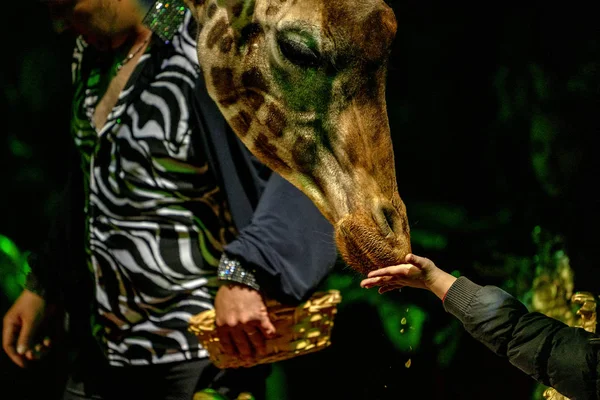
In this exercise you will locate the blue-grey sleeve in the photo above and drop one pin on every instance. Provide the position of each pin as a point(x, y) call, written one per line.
point(544, 348)
point(289, 244)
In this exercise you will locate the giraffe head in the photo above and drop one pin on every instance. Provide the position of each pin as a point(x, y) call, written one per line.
point(302, 83)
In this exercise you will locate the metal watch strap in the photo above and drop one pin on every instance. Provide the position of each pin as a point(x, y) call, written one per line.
point(232, 270)
point(164, 17)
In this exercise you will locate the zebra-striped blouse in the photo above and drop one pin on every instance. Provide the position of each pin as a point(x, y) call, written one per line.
point(157, 220)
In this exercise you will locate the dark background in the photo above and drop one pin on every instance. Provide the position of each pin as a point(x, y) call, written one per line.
point(493, 110)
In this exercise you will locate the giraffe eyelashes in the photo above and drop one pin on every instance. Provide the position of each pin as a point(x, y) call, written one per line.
point(295, 49)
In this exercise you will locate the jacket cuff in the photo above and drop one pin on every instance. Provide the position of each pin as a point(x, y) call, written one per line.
point(36, 280)
point(230, 269)
point(32, 283)
point(459, 296)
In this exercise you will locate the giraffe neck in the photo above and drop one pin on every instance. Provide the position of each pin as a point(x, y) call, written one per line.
point(273, 125)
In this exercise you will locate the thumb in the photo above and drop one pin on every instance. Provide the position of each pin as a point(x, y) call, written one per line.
point(267, 327)
point(419, 262)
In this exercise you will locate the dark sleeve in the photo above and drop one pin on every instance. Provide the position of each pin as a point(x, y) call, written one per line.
point(544, 348)
point(289, 244)
point(50, 264)
point(43, 277)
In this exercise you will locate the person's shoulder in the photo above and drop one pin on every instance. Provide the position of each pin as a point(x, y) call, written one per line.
point(185, 40)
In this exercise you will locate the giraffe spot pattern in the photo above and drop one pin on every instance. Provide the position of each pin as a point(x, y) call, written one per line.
point(237, 9)
point(199, 2)
point(272, 10)
point(217, 32)
point(212, 9)
point(222, 79)
point(304, 153)
point(262, 141)
point(253, 78)
point(250, 33)
point(276, 121)
point(254, 99)
point(274, 162)
point(241, 123)
point(226, 44)
point(266, 150)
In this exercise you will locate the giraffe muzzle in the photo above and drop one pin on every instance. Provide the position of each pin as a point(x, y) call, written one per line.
point(371, 240)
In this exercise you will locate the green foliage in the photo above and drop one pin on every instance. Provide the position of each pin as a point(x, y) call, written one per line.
point(13, 268)
point(403, 324)
point(447, 340)
point(19, 148)
point(428, 240)
point(403, 321)
point(276, 383)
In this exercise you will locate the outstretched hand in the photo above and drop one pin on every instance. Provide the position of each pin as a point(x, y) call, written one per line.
point(417, 272)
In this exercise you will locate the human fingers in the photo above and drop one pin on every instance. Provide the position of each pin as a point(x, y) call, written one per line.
point(10, 332)
point(25, 340)
point(370, 282)
point(225, 340)
point(240, 340)
point(266, 326)
point(419, 262)
point(256, 339)
point(394, 270)
point(39, 351)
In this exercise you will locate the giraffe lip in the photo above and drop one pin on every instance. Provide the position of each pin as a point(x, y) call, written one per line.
point(358, 257)
point(361, 240)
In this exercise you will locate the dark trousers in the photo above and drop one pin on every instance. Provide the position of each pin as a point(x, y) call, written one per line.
point(93, 378)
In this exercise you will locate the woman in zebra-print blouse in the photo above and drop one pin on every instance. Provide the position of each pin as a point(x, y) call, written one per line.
point(173, 207)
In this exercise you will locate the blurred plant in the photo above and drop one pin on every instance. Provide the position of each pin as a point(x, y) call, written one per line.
point(447, 339)
point(402, 321)
point(552, 292)
point(13, 268)
point(210, 394)
point(553, 283)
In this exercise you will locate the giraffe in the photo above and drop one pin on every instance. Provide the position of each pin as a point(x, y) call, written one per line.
point(302, 83)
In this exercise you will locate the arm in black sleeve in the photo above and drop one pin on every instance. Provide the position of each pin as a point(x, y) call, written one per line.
point(43, 277)
point(47, 273)
point(289, 244)
point(546, 349)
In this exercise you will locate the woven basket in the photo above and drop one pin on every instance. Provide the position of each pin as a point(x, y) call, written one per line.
point(303, 329)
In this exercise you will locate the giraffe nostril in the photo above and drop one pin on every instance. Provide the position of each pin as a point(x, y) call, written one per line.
point(387, 219)
point(388, 214)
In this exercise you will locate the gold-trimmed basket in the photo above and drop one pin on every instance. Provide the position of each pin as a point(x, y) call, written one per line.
point(303, 329)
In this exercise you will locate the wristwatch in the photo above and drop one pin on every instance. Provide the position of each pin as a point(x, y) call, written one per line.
point(163, 17)
point(230, 269)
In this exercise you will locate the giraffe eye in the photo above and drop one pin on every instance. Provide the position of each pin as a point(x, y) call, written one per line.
point(298, 52)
